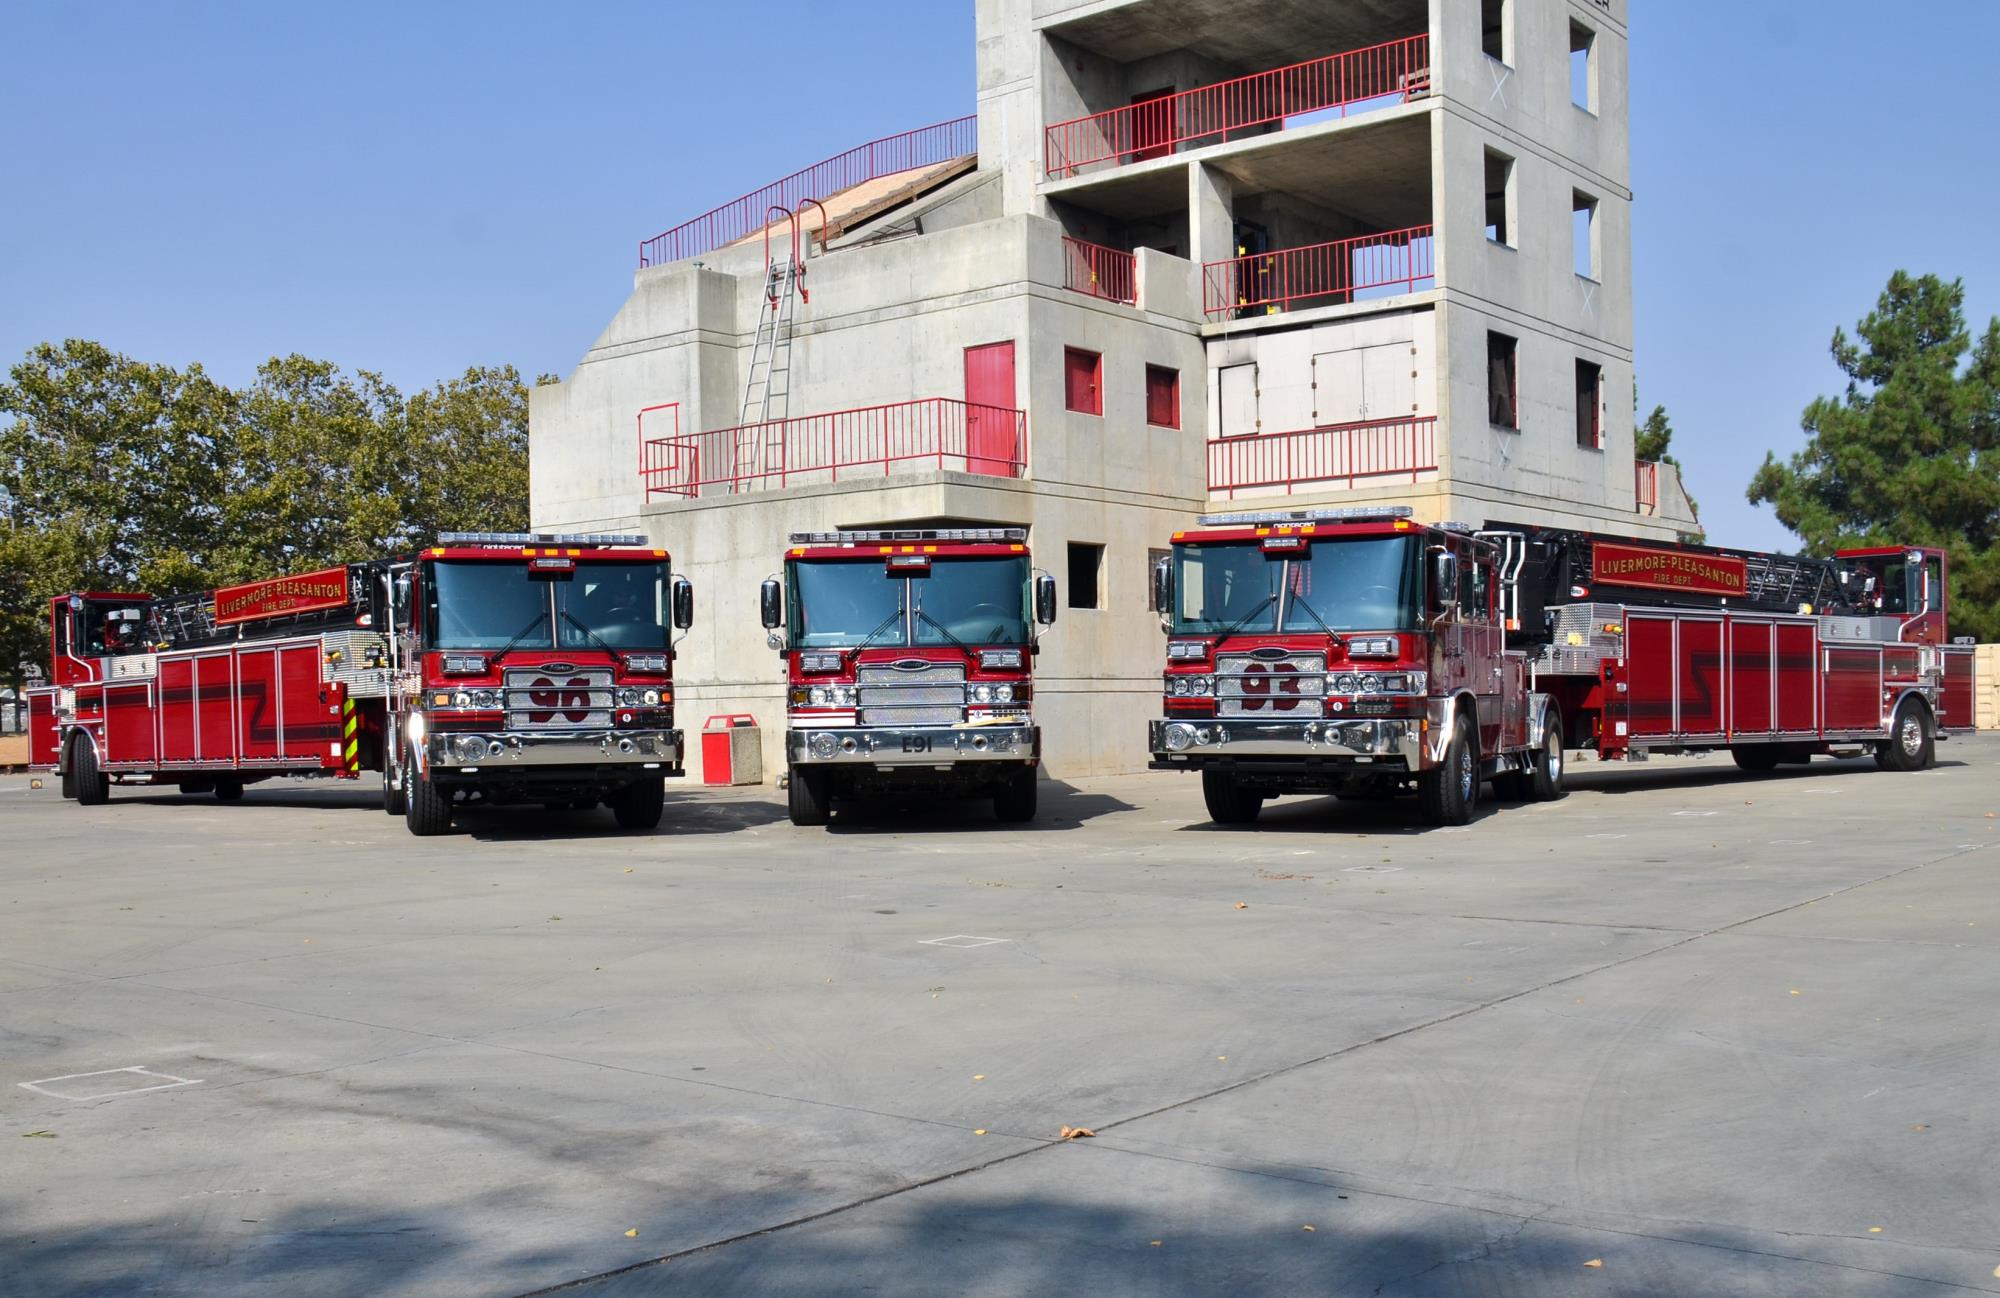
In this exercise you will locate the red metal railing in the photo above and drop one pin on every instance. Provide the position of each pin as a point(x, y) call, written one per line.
point(1153, 128)
point(1328, 273)
point(925, 147)
point(1646, 485)
point(1101, 272)
point(935, 433)
point(1344, 454)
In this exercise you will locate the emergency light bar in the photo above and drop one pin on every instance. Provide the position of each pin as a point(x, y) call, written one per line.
point(541, 538)
point(885, 536)
point(1343, 514)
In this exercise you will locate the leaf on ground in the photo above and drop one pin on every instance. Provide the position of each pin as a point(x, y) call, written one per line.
point(1243, 905)
point(1310, 1230)
point(38, 1135)
point(979, 1131)
point(632, 1233)
point(979, 1077)
point(1874, 1230)
point(1595, 1264)
point(1921, 1126)
point(1077, 1133)
point(1156, 1243)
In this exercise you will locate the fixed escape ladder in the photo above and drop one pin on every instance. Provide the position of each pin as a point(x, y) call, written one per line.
point(767, 385)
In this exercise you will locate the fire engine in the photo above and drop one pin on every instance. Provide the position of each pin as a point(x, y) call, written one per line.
point(497, 667)
point(1357, 652)
point(909, 659)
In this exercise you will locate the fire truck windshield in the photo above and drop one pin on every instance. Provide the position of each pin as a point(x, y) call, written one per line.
point(482, 604)
point(1357, 584)
point(848, 603)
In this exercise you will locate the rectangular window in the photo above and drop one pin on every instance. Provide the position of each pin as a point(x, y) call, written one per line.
point(1496, 30)
point(1583, 234)
point(1154, 558)
point(1503, 388)
point(1086, 571)
point(1083, 387)
point(1583, 67)
point(1163, 397)
point(1236, 395)
point(1589, 406)
point(1500, 205)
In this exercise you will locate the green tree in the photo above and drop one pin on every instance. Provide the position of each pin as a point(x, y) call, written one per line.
point(1909, 452)
point(1652, 440)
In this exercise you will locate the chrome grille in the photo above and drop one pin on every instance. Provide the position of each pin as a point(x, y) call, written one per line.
point(931, 695)
point(1275, 688)
point(537, 699)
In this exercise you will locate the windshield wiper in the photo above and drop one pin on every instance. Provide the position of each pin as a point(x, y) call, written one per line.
point(595, 638)
point(1246, 619)
point(1299, 601)
point(514, 641)
point(854, 651)
point(956, 642)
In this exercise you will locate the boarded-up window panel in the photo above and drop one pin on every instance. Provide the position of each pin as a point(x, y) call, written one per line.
point(1236, 400)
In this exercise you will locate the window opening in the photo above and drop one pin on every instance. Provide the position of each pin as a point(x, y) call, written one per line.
point(1496, 30)
point(1083, 387)
point(1589, 406)
point(1503, 390)
point(1086, 568)
point(1583, 67)
point(1583, 234)
point(1500, 205)
point(1163, 397)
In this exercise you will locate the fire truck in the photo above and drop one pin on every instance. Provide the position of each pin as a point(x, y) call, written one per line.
point(909, 661)
point(492, 667)
point(1359, 653)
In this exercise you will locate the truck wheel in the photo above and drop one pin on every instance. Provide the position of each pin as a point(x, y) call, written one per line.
point(69, 778)
point(228, 788)
point(426, 807)
point(640, 804)
point(808, 796)
point(1545, 779)
point(93, 786)
point(1758, 759)
point(1910, 745)
point(1448, 793)
point(394, 800)
point(1014, 804)
point(1229, 803)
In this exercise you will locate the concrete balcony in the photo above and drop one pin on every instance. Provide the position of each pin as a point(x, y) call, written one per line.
point(846, 446)
point(1326, 274)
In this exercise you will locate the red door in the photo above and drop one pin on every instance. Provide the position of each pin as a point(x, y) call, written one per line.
point(1152, 124)
point(992, 429)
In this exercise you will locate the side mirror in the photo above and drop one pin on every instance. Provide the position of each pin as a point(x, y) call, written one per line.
point(683, 603)
point(1045, 599)
point(771, 603)
point(1444, 575)
point(1163, 589)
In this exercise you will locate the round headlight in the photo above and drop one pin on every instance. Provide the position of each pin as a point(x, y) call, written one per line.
point(486, 698)
point(1371, 684)
point(471, 748)
point(982, 694)
point(820, 696)
point(1345, 683)
point(461, 699)
point(1179, 737)
point(1003, 693)
point(650, 698)
point(1202, 685)
point(1177, 686)
point(823, 745)
point(628, 696)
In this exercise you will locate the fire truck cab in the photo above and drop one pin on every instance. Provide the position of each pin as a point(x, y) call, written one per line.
point(909, 661)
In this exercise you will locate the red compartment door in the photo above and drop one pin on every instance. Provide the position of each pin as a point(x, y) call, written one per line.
point(1650, 674)
point(257, 704)
point(41, 729)
point(1700, 677)
point(128, 724)
point(311, 729)
point(1752, 702)
point(215, 710)
point(177, 719)
point(1798, 678)
point(1853, 689)
point(1956, 707)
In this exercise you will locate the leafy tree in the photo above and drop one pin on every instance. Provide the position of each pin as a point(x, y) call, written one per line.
point(1909, 453)
point(1651, 441)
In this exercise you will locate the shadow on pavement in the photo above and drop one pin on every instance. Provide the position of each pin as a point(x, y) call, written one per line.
point(1061, 807)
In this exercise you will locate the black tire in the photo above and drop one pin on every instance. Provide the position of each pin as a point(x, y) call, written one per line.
point(93, 786)
point(1229, 803)
point(1548, 779)
point(426, 807)
point(1758, 759)
point(808, 797)
point(394, 800)
point(1448, 793)
point(640, 804)
point(68, 780)
point(228, 788)
point(1910, 746)
point(1015, 803)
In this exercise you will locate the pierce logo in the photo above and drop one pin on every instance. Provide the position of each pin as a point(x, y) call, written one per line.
point(571, 699)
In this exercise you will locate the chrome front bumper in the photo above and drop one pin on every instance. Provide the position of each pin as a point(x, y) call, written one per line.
point(1189, 743)
point(894, 746)
point(568, 748)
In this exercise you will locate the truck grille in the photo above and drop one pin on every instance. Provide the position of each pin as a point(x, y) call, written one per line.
point(544, 700)
point(933, 695)
point(1288, 688)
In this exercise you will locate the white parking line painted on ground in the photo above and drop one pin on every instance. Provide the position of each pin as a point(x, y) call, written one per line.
point(963, 941)
point(161, 1082)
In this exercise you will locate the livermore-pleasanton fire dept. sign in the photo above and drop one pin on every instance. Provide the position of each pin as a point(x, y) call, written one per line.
point(1704, 574)
point(281, 595)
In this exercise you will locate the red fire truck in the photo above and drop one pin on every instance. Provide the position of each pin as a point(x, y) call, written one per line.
point(498, 667)
point(909, 656)
point(1359, 653)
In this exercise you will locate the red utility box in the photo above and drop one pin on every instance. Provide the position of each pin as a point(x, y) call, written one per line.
point(732, 750)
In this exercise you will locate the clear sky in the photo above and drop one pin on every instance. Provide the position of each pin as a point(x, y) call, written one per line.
point(419, 188)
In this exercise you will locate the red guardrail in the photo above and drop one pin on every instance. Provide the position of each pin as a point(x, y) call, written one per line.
point(925, 147)
point(1153, 128)
point(1646, 486)
point(938, 432)
point(1101, 272)
point(1342, 454)
point(1333, 271)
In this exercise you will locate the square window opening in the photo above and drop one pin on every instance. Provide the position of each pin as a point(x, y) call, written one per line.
point(1163, 397)
point(1583, 234)
point(1083, 381)
point(1500, 205)
point(1503, 391)
point(1086, 572)
point(1589, 406)
point(1583, 67)
point(1496, 30)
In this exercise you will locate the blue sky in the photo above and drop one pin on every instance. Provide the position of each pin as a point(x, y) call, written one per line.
point(419, 188)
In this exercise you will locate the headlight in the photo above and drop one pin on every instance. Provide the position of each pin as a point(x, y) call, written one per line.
point(1374, 646)
point(1346, 683)
point(651, 663)
point(982, 694)
point(1003, 693)
point(1370, 683)
point(823, 745)
point(650, 698)
point(471, 748)
point(461, 699)
point(1179, 737)
point(1185, 651)
point(820, 696)
point(819, 662)
point(1201, 686)
point(486, 700)
point(628, 697)
point(1000, 660)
